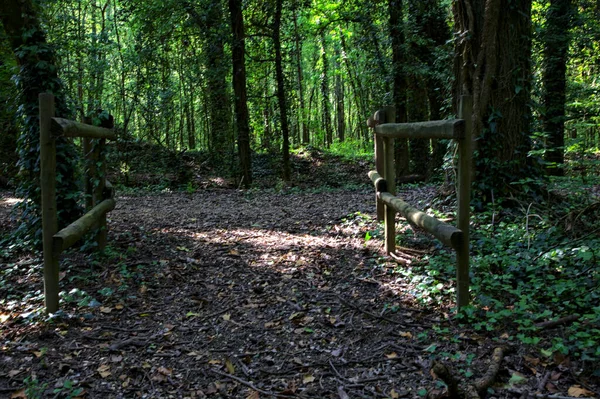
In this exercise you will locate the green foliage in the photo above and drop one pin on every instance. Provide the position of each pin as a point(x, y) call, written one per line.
point(68, 390)
point(351, 149)
point(38, 73)
point(34, 389)
point(524, 270)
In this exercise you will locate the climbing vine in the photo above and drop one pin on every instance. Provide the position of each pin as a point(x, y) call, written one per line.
point(38, 73)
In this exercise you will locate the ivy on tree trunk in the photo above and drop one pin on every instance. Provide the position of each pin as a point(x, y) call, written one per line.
point(38, 74)
point(556, 51)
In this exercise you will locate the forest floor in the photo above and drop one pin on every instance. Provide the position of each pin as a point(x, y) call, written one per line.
point(226, 293)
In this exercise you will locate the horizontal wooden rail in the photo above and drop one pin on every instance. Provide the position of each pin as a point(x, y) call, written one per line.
point(449, 235)
point(73, 232)
point(378, 181)
point(68, 128)
point(444, 129)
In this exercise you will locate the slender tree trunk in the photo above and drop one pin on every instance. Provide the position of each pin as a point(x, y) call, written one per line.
point(339, 98)
point(431, 27)
point(211, 23)
point(399, 77)
point(281, 98)
point(357, 91)
point(302, 111)
point(325, 93)
point(239, 89)
point(556, 48)
point(417, 111)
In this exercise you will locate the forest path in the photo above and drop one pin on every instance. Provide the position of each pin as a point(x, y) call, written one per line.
point(233, 294)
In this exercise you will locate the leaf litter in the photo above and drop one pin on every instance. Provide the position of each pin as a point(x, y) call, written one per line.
point(226, 293)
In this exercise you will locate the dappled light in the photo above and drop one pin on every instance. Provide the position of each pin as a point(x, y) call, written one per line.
point(317, 199)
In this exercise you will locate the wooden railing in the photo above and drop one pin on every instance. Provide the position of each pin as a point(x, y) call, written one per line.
point(384, 180)
point(100, 196)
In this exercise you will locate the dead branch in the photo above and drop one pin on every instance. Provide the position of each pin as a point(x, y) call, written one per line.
point(469, 391)
point(558, 322)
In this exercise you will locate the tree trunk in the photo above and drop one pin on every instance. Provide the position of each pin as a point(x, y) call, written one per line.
point(219, 105)
point(8, 119)
point(38, 73)
point(556, 47)
point(432, 29)
point(417, 112)
point(239, 89)
point(302, 111)
point(325, 93)
point(357, 92)
point(281, 98)
point(493, 63)
point(399, 78)
point(339, 98)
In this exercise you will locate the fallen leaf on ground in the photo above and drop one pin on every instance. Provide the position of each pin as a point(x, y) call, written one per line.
point(577, 391)
point(253, 395)
point(104, 370)
point(517, 379)
point(532, 360)
point(392, 355)
point(13, 373)
point(230, 366)
point(308, 379)
point(19, 394)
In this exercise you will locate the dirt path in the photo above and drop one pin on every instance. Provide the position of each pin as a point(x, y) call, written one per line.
point(226, 294)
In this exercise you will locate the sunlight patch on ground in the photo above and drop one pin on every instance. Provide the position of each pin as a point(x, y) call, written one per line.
point(9, 201)
point(276, 240)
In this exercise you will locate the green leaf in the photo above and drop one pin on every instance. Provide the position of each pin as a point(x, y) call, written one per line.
point(517, 379)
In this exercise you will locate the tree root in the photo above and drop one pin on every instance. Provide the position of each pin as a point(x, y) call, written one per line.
point(475, 390)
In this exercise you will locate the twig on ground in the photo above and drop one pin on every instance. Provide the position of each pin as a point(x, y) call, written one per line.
point(470, 391)
point(537, 395)
point(558, 322)
point(373, 315)
point(249, 384)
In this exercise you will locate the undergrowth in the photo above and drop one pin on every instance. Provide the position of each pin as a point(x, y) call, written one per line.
point(528, 266)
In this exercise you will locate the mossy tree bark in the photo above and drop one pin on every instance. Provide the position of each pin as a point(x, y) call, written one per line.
point(395, 8)
point(493, 64)
point(37, 74)
point(212, 23)
point(556, 50)
point(239, 88)
point(281, 97)
point(326, 106)
point(429, 23)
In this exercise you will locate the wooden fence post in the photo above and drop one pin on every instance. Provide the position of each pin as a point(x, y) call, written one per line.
point(49, 212)
point(379, 162)
point(389, 116)
point(464, 200)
